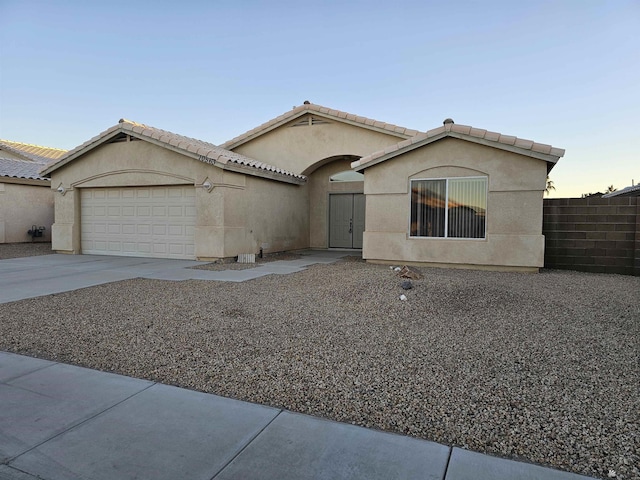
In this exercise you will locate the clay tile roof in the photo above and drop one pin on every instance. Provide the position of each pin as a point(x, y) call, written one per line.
point(10, 167)
point(204, 151)
point(518, 145)
point(389, 128)
point(35, 153)
point(630, 191)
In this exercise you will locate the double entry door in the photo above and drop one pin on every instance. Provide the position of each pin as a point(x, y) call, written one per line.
point(346, 220)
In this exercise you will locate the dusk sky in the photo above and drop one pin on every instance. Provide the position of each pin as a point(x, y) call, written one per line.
point(565, 73)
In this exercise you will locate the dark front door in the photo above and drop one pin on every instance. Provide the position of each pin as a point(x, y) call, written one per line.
point(346, 220)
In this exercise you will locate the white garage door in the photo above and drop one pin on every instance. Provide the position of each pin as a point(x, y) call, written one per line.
point(138, 221)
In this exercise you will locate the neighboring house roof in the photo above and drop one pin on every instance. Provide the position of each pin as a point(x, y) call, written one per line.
point(630, 191)
point(10, 167)
point(34, 153)
point(190, 147)
point(324, 112)
point(484, 137)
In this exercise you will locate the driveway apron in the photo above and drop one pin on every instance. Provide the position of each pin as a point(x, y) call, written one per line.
point(29, 277)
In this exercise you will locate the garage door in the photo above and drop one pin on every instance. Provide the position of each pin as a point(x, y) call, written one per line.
point(138, 222)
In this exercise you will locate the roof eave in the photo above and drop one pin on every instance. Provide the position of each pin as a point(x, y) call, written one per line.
point(361, 125)
point(231, 144)
point(550, 159)
point(57, 164)
point(37, 182)
point(256, 172)
point(110, 135)
point(216, 162)
point(359, 167)
point(509, 148)
point(202, 158)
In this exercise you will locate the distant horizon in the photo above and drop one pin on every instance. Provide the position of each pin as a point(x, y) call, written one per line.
point(559, 73)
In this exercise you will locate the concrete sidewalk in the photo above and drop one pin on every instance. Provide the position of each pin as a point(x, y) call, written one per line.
point(29, 277)
point(64, 422)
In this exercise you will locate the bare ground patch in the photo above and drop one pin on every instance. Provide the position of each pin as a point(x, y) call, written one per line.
point(233, 265)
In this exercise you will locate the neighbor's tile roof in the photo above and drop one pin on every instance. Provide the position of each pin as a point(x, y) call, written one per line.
point(32, 152)
point(10, 167)
point(201, 150)
point(388, 128)
point(630, 191)
point(485, 137)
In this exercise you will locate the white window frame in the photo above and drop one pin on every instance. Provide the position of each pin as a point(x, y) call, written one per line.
point(446, 216)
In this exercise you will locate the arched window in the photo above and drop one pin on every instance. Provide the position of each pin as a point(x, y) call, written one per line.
point(347, 176)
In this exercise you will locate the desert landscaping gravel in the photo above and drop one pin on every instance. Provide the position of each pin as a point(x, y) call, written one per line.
point(17, 250)
point(536, 367)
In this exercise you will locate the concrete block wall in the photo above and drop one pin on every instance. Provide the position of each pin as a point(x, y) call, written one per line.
point(600, 235)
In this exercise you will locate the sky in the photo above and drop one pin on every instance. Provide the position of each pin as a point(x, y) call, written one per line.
point(562, 72)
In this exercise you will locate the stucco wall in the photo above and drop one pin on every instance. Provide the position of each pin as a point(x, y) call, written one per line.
point(136, 163)
point(268, 215)
point(235, 216)
point(301, 147)
point(22, 206)
point(514, 207)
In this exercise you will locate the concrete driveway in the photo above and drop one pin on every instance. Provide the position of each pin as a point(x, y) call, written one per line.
point(30, 277)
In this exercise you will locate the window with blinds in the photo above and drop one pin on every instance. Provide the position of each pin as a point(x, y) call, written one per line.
point(449, 207)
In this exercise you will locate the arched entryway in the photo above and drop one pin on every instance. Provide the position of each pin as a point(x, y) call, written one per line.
point(336, 204)
point(346, 211)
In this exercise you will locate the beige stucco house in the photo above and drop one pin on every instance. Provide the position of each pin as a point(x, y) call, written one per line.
point(26, 199)
point(457, 196)
point(311, 178)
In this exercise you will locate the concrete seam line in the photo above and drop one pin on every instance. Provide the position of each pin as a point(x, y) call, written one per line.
point(245, 447)
point(11, 379)
point(82, 422)
point(446, 467)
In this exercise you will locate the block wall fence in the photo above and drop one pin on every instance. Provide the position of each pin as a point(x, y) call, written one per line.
point(600, 235)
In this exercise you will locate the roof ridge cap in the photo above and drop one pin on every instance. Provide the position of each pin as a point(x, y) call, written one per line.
point(135, 124)
point(341, 115)
point(450, 129)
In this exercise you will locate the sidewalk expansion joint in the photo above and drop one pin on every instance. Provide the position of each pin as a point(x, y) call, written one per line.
point(245, 446)
point(11, 379)
point(80, 423)
point(446, 467)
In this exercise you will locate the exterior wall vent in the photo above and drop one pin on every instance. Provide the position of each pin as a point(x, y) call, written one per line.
point(247, 258)
point(310, 120)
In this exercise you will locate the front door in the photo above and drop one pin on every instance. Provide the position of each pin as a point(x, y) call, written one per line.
point(346, 220)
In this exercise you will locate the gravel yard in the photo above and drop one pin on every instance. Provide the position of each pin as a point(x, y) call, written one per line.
point(542, 367)
point(17, 250)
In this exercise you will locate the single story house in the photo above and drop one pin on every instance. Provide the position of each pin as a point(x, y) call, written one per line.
point(26, 199)
point(313, 177)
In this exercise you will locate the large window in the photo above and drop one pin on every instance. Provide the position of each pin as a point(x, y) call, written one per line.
point(449, 207)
